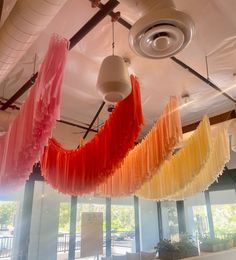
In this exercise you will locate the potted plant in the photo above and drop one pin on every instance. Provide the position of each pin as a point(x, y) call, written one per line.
point(233, 236)
point(227, 243)
point(211, 245)
point(186, 249)
point(167, 251)
point(176, 250)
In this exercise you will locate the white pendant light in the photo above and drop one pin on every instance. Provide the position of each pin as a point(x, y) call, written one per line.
point(113, 80)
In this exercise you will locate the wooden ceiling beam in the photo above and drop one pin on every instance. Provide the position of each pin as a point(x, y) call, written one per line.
point(213, 120)
point(1, 8)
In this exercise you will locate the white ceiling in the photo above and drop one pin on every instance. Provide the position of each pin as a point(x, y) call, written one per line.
point(215, 38)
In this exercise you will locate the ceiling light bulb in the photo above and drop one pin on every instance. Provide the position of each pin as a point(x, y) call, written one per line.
point(186, 98)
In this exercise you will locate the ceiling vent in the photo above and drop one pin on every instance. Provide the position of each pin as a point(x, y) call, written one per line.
point(162, 31)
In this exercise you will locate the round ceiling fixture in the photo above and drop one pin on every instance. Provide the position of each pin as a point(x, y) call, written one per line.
point(113, 80)
point(161, 32)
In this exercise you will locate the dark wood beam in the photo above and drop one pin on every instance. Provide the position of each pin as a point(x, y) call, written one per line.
point(179, 62)
point(77, 125)
point(213, 120)
point(94, 119)
point(1, 8)
point(202, 78)
point(60, 120)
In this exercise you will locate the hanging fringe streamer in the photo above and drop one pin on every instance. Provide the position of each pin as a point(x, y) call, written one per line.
point(24, 142)
point(213, 168)
point(182, 167)
point(79, 171)
point(146, 157)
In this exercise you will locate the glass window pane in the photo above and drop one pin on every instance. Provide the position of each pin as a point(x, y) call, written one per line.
point(122, 226)
point(90, 204)
point(63, 231)
point(196, 216)
point(170, 220)
point(223, 206)
point(10, 211)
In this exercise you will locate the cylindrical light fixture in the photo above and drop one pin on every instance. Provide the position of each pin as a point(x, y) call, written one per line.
point(113, 80)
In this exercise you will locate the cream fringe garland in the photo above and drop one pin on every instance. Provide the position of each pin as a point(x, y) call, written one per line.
point(219, 156)
point(182, 167)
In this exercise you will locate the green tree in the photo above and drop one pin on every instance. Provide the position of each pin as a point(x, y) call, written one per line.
point(122, 218)
point(64, 217)
point(7, 213)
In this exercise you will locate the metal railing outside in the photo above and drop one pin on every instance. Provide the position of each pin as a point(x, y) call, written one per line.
point(63, 242)
point(119, 239)
point(6, 244)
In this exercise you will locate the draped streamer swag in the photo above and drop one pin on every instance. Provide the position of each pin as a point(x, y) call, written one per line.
point(192, 169)
point(181, 167)
point(79, 171)
point(27, 135)
point(214, 166)
point(146, 157)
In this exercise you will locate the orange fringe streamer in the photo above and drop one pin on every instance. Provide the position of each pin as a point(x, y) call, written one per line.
point(143, 161)
point(182, 167)
point(79, 171)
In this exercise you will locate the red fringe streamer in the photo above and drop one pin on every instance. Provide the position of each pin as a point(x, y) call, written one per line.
point(80, 171)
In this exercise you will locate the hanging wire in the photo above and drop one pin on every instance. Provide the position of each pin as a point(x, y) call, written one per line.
point(207, 70)
point(113, 37)
point(35, 62)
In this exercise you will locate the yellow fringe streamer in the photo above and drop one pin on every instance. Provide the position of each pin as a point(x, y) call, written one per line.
point(182, 167)
point(144, 160)
point(219, 156)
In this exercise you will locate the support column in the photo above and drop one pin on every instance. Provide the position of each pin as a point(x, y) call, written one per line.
point(44, 223)
point(159, 219)
point(148, 224)
point(209, 213)
point(73, 217)
point(108, 227)
point(24, 232)
point(136, 218)
point(181, 216)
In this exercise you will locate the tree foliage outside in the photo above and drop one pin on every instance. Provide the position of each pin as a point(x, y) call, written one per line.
point(200, 220)
point(7, 214)
point(224, 219)
point(122, 216)
point(90, 208)
point(173, 221)
point(64, 218)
